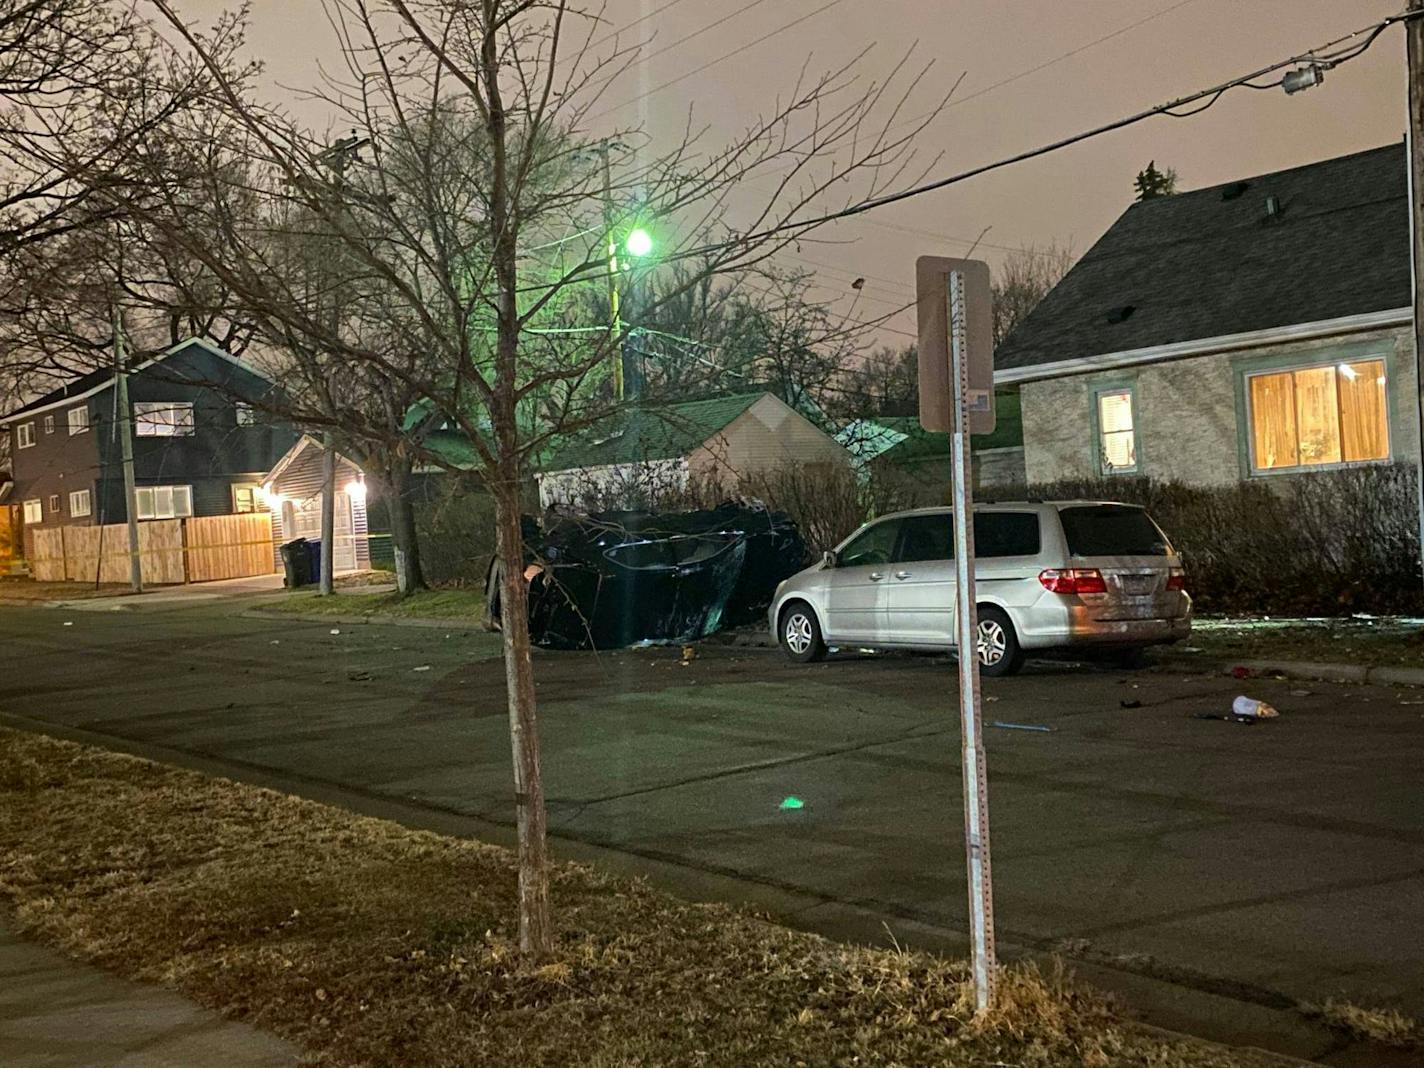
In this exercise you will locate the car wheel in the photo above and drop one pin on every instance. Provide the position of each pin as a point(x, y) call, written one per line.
point(998, 645)
point(800, 634)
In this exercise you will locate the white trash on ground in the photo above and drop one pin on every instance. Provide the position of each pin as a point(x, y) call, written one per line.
point(1251, 708)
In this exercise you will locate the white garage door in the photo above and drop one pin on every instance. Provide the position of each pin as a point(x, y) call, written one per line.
point(302, 519)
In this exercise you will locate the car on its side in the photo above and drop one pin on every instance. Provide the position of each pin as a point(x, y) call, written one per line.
point(1048, 575)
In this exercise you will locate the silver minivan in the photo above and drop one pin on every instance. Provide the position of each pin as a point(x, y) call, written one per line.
point(1048, 574)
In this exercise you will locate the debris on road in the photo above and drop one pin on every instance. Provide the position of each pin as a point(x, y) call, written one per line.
point(1245, 721)
point(1134, 703)
point(69, 622)
point(359, 676)
point(1301, 693)
point(1240, 672)
point(334, 630)
point(792, 803)
point(423, 667)
point(1252, 708)
point(1022, 727)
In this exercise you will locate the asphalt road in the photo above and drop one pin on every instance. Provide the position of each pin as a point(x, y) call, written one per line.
point(1273, 863)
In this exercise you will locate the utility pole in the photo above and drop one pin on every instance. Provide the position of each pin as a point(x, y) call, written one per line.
point(125, 428)
point(338, 157)
point(1414, 143)
point(615, 322)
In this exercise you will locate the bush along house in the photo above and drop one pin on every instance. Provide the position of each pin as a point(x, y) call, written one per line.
point(201, 444)
point(1238, 333)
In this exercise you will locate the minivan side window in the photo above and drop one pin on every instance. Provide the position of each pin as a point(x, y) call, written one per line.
point(1112, 530)
point(926, 537)
point(1005, 534)
point(873, 546)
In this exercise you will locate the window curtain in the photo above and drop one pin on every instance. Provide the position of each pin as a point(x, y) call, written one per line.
point(1364, 426)
point(1273, 437)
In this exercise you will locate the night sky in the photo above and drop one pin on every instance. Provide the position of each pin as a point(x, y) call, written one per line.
point(1071, 196)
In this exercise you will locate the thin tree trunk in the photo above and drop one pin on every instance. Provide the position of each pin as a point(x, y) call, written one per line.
point(536, 935)
point(404, 538)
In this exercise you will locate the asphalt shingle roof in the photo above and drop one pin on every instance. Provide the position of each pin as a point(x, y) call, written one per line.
point(82, 384)
point(666, 432)
point(1209, 263)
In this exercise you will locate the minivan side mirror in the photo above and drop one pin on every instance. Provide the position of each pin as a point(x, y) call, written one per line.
point(828, 558)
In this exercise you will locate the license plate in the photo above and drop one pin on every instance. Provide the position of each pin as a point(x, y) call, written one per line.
point(1138, 585)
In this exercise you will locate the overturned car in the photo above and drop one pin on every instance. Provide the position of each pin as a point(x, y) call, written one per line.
point(612, 579)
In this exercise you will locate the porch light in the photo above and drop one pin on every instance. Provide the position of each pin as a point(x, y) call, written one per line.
point(355, 490)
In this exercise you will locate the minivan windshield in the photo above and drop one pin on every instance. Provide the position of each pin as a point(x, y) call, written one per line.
point(1112, 530)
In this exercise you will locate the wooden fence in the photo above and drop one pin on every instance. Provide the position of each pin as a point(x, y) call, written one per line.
point(171, 551)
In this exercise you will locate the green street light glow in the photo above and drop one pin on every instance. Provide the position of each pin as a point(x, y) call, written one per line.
point(639, 242)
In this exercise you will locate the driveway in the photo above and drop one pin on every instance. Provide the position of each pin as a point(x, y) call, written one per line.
point(1269, 863)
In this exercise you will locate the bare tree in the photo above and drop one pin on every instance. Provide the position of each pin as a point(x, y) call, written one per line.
point(1023, 279)
point(461, 256)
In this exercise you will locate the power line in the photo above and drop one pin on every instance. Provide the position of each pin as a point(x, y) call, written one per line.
point(1317, 55)
point(614, 33)
point(957, 100)
point(720, 59)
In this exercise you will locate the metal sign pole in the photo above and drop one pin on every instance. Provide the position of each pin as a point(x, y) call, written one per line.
point(976, 793)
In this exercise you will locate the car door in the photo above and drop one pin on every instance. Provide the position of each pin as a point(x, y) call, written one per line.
point(855, 605)
point(919, 597)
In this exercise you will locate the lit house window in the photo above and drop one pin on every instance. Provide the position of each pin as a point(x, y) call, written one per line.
point(24, 435)
point(246, 416)
point(162, 419)
point(78, 420)
point(1117, 438)
point(248, 497)
point(49, 424)
point(34, 511)
point(164, 502)
point(79, 504)
point(1317, 416)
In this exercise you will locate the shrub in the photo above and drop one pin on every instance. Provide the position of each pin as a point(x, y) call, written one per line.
point(1326, 543)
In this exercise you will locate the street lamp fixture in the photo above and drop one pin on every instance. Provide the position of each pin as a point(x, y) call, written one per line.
point(639, 242)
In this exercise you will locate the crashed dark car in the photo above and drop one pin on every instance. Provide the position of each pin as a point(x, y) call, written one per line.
point(613, 579)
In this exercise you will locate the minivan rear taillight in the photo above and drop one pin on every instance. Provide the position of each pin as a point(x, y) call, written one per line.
point(1073, 580)
point(1176, 580)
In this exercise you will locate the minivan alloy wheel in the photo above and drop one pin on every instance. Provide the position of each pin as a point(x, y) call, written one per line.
point(799, 636)
point(992, 642)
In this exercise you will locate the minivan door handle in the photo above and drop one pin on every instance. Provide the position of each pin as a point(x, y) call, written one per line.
point(902, 574)
point(876, 576)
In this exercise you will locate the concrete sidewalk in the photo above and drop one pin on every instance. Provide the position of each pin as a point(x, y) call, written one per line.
point(58, 1013)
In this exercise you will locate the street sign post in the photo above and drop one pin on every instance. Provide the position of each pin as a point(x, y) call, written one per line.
point(932, 275)
point(958, 395)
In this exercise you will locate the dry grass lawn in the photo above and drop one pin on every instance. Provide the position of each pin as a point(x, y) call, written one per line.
point(1383, 642)
point(456, 606)
point(371, 944)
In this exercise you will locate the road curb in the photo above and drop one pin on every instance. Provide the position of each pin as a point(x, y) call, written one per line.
point(1305, 670)
point(351, 621)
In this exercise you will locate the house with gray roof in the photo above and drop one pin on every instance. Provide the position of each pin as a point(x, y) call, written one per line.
point(1247, 330)
point(652, 451)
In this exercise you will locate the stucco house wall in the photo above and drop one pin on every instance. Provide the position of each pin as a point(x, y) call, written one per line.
point(1190, 414)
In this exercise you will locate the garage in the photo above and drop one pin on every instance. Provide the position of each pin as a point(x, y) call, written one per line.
point(294, 494)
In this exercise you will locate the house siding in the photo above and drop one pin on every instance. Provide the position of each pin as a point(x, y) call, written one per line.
point(767, 436)
point(58, 463)
point(1188, 413)
point(217, 454)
